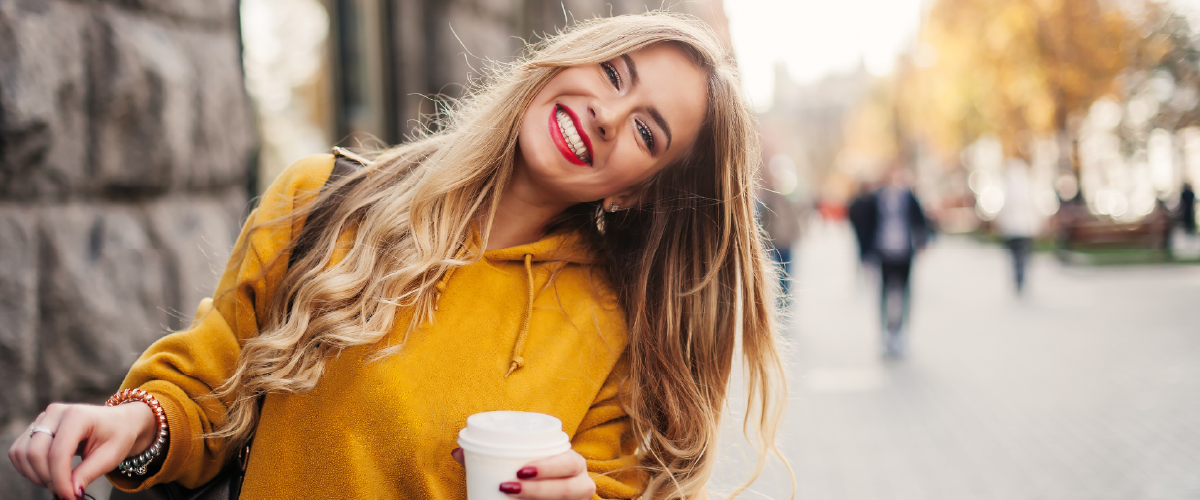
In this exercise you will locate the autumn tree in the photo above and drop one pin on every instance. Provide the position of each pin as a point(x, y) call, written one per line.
point(1166, 48)
point(1011, 67)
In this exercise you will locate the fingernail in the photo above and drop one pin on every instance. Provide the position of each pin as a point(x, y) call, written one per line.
point(527, 473)
point(510, 488)
point(79, 493)
point(454, 451)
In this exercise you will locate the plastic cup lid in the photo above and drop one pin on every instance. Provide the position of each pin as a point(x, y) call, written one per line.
point(514, 433)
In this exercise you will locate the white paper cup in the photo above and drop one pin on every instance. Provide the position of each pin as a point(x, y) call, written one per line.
point(496, 444)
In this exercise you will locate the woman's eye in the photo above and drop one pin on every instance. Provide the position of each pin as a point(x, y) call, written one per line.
point(646, 135)
point(613, 76)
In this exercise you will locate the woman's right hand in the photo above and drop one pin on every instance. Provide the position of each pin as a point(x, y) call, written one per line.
point(102, 435)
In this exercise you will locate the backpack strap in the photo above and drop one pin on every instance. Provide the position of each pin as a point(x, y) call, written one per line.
point(345, 163)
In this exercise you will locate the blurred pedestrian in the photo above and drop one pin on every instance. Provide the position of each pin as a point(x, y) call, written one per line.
point(896, 229)
point(1018, 219)
point(780, 217)
point(1187, 209)
point(862, 214)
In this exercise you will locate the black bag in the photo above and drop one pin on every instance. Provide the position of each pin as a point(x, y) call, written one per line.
point(226, 486)
point(228, 483)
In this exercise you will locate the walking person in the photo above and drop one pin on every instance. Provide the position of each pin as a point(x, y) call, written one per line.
point(780, 217)
point(1187, 209)
point(862, 214)
point(899, 230)
point(1018, 220)
point(577, 239)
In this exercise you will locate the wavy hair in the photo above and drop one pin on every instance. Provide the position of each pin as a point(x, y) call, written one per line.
point(687, 265)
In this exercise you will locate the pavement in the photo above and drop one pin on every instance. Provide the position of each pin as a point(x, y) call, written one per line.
point(1085, 387)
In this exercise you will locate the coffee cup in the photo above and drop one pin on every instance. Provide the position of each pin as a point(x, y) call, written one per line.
point(496, 444)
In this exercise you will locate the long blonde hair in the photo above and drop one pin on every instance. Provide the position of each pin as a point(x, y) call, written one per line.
point(687, 265)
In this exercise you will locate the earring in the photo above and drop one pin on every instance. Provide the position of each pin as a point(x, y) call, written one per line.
point(613, 208)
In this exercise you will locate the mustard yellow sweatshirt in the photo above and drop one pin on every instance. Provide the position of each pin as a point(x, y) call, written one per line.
point(385, 429)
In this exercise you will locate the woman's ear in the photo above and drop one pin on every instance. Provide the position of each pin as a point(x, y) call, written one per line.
point(631, 197)
point(622, 201)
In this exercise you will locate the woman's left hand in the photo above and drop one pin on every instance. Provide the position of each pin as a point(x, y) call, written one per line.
point(561, 477)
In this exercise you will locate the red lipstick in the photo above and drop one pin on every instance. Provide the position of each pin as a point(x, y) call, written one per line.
point(561, 142)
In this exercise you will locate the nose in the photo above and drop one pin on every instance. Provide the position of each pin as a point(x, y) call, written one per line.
point(603, 125)
point(607, 116)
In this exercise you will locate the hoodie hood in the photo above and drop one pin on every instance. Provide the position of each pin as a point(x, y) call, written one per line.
point(560, 247)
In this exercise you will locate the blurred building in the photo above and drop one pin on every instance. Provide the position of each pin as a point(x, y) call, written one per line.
point(807, 125)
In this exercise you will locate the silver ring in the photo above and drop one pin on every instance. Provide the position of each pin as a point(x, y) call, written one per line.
point(36, 430)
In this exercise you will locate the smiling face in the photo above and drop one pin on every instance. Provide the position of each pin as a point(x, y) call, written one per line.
point(596, 132)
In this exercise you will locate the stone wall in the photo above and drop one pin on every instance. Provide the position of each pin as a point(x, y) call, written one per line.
point(125, 142)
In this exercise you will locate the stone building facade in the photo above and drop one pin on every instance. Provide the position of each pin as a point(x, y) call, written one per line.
point(125, 142)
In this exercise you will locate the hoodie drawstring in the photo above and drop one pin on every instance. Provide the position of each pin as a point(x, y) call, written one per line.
point(445, 281)
point(517, 360)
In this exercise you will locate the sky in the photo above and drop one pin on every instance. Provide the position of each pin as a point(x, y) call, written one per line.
point(816, 37)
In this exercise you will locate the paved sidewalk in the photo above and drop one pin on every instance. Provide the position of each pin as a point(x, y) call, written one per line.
point(1087, 388)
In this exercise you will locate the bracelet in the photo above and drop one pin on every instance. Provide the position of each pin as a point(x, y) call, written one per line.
point(138, 465)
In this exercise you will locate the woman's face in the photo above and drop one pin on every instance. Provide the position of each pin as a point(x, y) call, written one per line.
point(595, 132)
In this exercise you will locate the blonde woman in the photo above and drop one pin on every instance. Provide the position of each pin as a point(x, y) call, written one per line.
point(577, 239)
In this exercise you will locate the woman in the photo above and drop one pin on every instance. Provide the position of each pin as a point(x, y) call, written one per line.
point(578, 239)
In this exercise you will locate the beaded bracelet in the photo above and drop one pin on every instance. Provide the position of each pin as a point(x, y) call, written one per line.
point(138, 465)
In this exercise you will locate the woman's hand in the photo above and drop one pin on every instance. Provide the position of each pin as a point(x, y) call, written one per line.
point(561, 477)
point(102, 435)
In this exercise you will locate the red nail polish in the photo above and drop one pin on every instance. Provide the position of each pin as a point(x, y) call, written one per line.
point(510, 488)
point(79, 493)
point(527, 473)
point(453, 451)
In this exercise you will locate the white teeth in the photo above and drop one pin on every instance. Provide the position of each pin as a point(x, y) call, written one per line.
point(567, 127)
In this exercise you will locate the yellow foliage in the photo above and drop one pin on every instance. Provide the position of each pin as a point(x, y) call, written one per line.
point(1010, 66)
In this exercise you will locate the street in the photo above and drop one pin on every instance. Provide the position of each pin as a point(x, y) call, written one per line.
point(1087, 387)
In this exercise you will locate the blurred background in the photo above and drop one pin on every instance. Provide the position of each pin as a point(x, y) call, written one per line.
point(1048, 344)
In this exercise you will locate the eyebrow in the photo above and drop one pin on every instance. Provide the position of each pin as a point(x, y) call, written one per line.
point(654, 114)
point(633, 77)
point(658, 118)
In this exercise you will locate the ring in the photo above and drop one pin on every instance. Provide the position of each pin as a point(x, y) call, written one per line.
point(36, 430)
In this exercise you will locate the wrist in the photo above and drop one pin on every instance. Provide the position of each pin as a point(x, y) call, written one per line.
point(139, 464)
point(141, 418)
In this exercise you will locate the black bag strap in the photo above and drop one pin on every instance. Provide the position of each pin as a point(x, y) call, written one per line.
point(345, 163)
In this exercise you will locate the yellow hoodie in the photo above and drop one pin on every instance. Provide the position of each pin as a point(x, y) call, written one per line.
point(385, 429)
